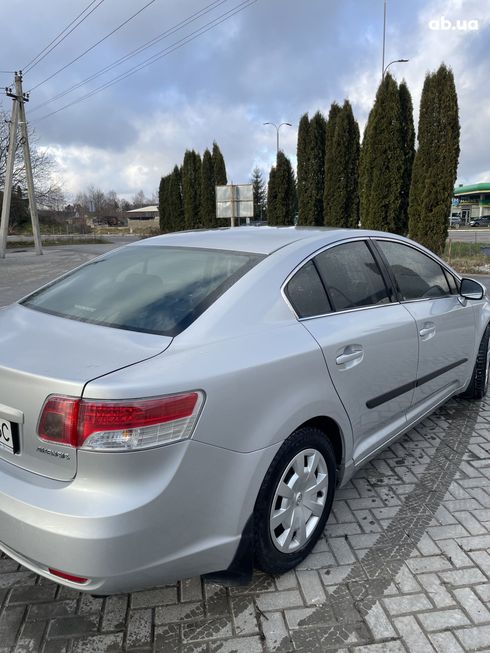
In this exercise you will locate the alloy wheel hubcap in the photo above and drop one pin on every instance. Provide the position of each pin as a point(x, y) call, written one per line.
point(299, 501)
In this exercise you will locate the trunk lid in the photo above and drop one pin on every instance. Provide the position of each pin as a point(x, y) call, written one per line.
point(41, 355)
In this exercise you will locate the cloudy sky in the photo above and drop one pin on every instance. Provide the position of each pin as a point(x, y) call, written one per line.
point(260, 60)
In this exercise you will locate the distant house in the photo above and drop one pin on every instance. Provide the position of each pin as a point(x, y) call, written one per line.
point(146, 217)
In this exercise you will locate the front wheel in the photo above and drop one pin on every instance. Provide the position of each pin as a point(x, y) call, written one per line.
point(294, 500)
point(478, 386)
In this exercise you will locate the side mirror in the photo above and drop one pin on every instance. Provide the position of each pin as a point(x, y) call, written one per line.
point(471, 289)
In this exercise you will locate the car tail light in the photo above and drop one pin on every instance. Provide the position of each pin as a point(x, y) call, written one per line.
point(59, 419)
point(119, 425)
point(65, 576)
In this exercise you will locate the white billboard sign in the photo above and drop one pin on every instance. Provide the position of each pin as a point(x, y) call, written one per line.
point(234, 201)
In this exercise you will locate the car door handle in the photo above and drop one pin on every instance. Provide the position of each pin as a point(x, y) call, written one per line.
point(350, 354)
point(428, 330)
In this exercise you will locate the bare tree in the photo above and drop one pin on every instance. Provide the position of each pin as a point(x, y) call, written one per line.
point(97, 200)
point(112, 203)
point(47, 189)
point(139, 200)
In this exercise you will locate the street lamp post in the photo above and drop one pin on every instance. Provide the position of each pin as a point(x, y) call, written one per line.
point(391, 62)
point(384, 43)
point(278, 127)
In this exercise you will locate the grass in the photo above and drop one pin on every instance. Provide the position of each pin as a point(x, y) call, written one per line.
point(467, 258)
point(56, 243)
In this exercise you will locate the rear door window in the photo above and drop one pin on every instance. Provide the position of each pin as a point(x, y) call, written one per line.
point(352, 276)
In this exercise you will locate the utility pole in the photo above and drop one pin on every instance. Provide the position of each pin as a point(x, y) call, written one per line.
point(18, 116)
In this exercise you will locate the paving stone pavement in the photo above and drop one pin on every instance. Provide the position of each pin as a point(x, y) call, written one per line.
point(404, 565)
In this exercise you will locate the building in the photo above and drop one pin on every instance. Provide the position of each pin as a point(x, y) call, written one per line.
point(471, 202)
point(144, 219)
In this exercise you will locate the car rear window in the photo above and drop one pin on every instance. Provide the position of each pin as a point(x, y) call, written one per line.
point(148, 288)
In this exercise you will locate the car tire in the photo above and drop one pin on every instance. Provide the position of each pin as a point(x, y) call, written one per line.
point(478, 386)
point(291, 509)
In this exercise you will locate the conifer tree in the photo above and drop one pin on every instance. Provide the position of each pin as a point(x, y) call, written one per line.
point(163, 208)
point(272, 205)
point(302, 154)
point(382, 161)
point(208, 193)
point(282, 199)
point(175, 206)
point(408, 140)
point(329, 186)
point(191, 189)
point(260, 195)
point(344, 170)
point(436, 160)
point(315, 178)
point(219, 166)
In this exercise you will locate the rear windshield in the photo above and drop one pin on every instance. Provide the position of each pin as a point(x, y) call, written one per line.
point(145, 288)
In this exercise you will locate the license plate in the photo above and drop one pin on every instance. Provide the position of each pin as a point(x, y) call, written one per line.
point(6, 435)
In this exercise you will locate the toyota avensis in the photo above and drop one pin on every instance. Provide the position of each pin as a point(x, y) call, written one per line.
point(188, 404)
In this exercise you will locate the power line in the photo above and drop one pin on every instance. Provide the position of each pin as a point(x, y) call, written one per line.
point(177, 45)
point(57, 40)
point(116, 29)
point(7, 72)
point(148, 44)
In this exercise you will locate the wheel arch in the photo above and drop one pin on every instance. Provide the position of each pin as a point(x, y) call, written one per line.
point(332, 430)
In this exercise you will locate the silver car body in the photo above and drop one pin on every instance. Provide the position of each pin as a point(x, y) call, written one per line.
point(135, 519)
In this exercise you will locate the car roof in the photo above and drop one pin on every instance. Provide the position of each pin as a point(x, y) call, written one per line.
point(260, 240)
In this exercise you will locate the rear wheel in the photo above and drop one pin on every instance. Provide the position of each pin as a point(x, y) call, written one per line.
point(294, 501)
point(478, 386)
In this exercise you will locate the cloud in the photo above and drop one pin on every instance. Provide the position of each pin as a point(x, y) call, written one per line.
point(272, 62)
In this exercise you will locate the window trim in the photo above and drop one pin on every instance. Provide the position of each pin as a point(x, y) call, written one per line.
point(390, 288)
point(384, 266)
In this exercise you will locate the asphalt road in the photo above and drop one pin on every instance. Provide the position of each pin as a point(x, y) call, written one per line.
point(22, 271)
point(470, 235)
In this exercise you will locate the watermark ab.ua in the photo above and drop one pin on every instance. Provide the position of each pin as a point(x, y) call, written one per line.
point(463, 25)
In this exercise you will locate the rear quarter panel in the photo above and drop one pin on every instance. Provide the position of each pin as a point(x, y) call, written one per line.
point(259, 387)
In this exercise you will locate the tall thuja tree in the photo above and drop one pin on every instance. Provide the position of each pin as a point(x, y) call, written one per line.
point(302, 156)
point(272, 205)
point(344, 173)
point(191, 189)
point(315, 179)
point(174, 198)
point(208, 193)
point(219, 166)
point(382, 161)
point(436, 160)
point(163, 204)
point(408, 140)
point(282, 196)
point(259, 193)
point(329, 186)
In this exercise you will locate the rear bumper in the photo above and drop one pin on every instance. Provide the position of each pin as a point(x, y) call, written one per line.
point(132, 520)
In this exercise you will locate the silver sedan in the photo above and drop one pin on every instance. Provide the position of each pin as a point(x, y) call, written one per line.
point(188, 404)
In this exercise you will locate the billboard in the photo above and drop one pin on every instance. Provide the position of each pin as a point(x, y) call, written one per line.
point(234, 201)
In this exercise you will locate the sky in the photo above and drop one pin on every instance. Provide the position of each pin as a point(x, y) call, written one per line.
point(259, 61)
